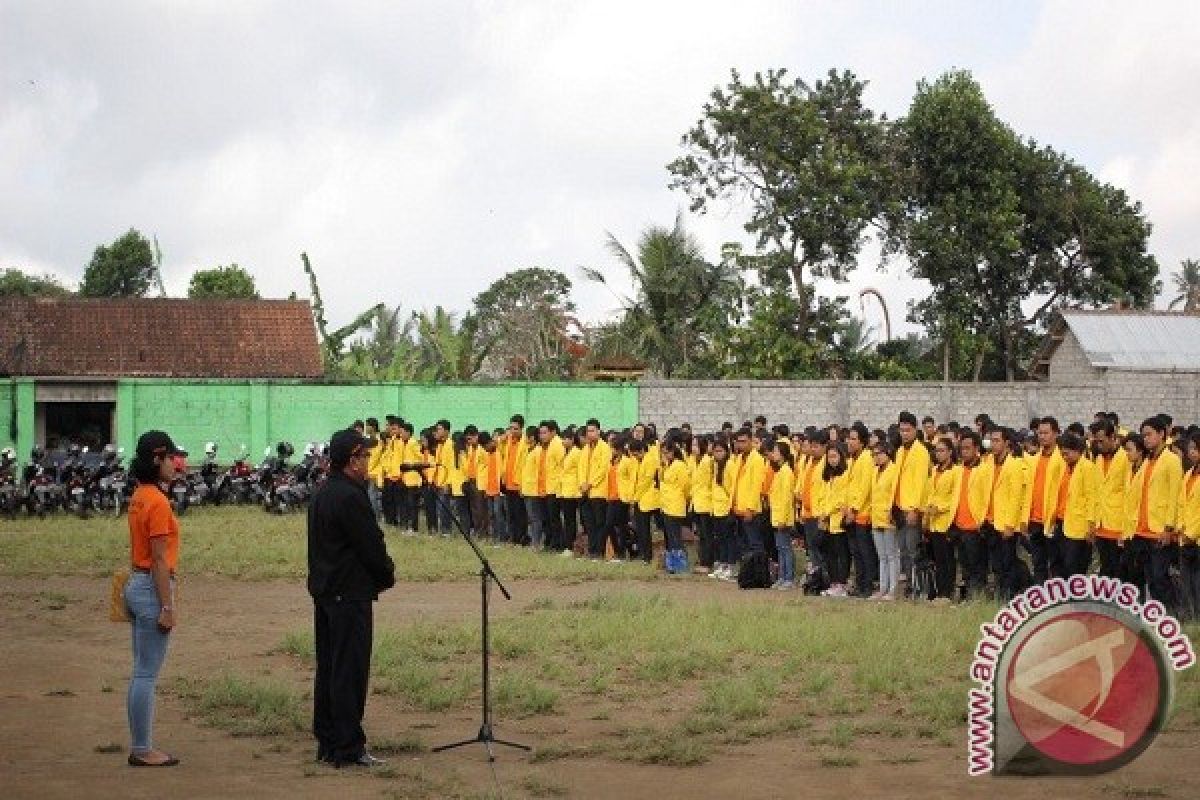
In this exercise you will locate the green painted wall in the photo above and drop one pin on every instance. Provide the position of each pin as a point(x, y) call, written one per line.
point(258, 414)
point(16, 411)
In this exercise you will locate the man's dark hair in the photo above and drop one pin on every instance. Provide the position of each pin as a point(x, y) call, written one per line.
point(1114, 418)
point(1103, 425)
point(928, 419)
point(358, 425)
point(966, 434)
point(518, 418)
point(485, 439)
point(470, 430)
point(1076, 428)
point(761, 420)
point(374, 423)
point(1072, 442)
point(407, 426)
point(636, 445)
point(444, 424)
point(1051, 421)
point(1137, 441)
point(1010, 436)
point(593, 422)
point(1156, 423)
point(908, 418)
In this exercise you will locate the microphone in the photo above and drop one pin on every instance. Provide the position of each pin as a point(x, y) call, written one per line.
point(413, 467)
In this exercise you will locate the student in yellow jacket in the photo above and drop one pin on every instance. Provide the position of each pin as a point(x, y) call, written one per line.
point(971, 508)
point(727, 544)
point(513, 449)
point(860, 474)
point(1077, 506)
point(674, 491)
point(1006, 510)
point(941, 502)
point(645, 498)
point(1188, 528)
point(592, 476)
point(883, 526)
point(1112, 464)
point(829, 501)
point(748, 467)
point(706, 551)
point(1155, 492)
point(568, 490)
point(781, 503)
point(912, 474)
point(1041, 494)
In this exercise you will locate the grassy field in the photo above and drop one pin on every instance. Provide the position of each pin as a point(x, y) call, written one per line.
point(249, 544)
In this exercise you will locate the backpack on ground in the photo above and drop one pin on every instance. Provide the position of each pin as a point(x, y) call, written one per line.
point(816, 580)
point(754, 571)
point(676, 562)
point(923, 583)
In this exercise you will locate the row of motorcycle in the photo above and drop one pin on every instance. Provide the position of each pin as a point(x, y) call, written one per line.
point(84, 482)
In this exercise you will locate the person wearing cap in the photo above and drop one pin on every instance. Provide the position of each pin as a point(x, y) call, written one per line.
point(348, 566)
point(149, 593)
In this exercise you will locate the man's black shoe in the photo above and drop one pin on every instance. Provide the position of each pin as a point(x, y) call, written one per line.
point(364, 760)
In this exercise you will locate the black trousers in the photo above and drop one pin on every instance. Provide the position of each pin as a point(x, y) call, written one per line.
point(1110, 557)
point(343, 634)
point(866, 560)
point(390, 500)
point(973, 555)
point(594, 511)
point(518, 519)
point(837, 557)
point(1155, 561)
point(569, 506)
point(1076, 555)
point(706, 549)
point(944, 566)
point(1005, 566)
point(616, 522)
point(641, 532)
point(1056, 552)
point(477, 505)
point(1039, 551)
point(1189, 572)
point(410, 507)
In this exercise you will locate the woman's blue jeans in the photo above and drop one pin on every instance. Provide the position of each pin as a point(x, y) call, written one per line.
point(149, 652)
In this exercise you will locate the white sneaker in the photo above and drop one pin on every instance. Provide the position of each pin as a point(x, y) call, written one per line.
point(567, 553)
point(785, 586)
point(615, 560)
point(716, 571)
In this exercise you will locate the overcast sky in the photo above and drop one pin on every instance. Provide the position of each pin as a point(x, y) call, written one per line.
point(418, 151)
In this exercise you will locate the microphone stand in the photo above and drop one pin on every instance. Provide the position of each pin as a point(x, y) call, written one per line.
point(487, 576)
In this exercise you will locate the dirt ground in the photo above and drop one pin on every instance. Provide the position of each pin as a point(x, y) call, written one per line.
point(64, 669)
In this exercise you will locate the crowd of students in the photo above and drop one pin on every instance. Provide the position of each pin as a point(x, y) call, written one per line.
point(869, 507)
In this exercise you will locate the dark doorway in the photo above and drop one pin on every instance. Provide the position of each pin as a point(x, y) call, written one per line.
point(87, 424)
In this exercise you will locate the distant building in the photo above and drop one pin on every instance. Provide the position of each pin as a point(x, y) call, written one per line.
point(75, 350)
point(1090, 346)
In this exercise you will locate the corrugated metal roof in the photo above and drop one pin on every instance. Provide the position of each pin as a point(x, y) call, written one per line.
point(1144, 342)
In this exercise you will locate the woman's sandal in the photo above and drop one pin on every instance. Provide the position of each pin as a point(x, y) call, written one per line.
point(136, 761)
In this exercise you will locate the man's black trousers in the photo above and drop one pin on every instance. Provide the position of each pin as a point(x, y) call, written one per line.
point(343, 633)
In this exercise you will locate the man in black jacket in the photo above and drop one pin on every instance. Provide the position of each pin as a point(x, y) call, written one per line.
point(348, 566)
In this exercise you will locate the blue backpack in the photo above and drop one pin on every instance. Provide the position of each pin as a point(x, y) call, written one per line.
point(676, 562)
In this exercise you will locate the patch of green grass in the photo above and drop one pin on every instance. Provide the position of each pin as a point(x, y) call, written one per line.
point(518, 694)
point(110, 747)
point(839, 760)
point(538, 786)
point(740, 697)
point(552, 752)
point(244, 706)
point(246, 543)
point(645, 745)
point(409, 743)
point(1130, 791)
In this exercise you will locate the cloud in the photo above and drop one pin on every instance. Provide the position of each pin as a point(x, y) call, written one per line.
point(419, 151)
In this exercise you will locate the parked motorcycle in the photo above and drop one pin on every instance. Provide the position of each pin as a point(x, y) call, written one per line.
point(10, 490)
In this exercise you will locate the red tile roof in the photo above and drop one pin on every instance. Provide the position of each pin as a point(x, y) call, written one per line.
point(145, 337)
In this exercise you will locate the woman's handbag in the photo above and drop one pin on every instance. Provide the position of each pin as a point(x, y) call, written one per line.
point(118, 611)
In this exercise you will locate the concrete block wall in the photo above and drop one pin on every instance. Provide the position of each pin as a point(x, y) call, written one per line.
point(706, 404)
point(1070, 365)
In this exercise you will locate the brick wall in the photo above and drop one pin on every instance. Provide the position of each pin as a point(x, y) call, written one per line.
point(706, 404)
point(1070, 365)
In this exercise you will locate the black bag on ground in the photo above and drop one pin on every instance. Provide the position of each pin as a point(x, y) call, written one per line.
point(754, 571)
point(922, 585)
point(816, 580)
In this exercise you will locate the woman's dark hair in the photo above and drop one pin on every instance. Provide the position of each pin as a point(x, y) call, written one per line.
point(1138, 442)
point(831, 471)
point(722, 443)
point(786, 450)
point(144, 470)
point(704, 443)
point(949, 444)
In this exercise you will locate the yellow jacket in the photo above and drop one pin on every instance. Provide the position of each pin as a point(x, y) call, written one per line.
point(722, 491)
point(1161, 495)
point(410, 453)
point(1082, 488)
point(702, 478)
point(1054, 468)
point(673, 493)
point(390, 455)
point(1189, 505)
point(568, 484)
point(859, 481)
point(806, 483)
point(829, 497)
point(941, 495)
point(979, 492)
point(489, 468)
point(512, 460)
point(782, 499)
point(529, 471)
point(1114, 476)
point(748, 473)
point(882, 492)
point(552, 471)
point(445, 466)
point(645, 492)
point(627, 472)
point(1008, 495)
point(593, 468)
point(913, 465)
point(375, 462)
point(458, 474)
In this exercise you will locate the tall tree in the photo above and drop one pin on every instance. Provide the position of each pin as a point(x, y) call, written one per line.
point(1187, 286)
point(231, 282)
point(992, 220)
point(679, 303)
point(333, 342)
point(15, 283)
point(810, 159)
point(124, 268)
point(523, 326)
point(443, 347)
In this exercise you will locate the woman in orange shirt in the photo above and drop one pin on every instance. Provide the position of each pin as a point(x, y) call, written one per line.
point(149, 594)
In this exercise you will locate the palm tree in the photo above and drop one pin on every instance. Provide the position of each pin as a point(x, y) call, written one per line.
point(1187, 283)
point(673, 285)
point(442, 349)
